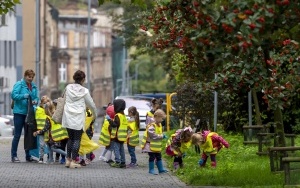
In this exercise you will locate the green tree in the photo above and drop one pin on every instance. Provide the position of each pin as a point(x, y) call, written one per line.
point(250, 45)
point(8, 5)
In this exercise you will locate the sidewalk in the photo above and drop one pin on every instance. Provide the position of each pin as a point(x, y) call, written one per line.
point(96, 174)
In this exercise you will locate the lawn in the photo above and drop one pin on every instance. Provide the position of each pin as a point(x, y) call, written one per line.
point(238, 166)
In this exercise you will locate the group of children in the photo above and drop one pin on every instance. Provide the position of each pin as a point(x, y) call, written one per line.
point(117, 130)
point(52, 137)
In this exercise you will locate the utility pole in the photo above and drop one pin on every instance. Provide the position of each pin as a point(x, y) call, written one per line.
point(136, 75)
point(37, 43)
point(123, 91)
point(89, 47)
point(215, 107)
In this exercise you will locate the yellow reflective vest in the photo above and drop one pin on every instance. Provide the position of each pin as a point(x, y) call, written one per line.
point(122, 130)
point(40, 117)
point(155, 145)
point(183, 146)
point(207, 146)
point(133, 137)
point(150, 114)
point(88, 120)
point(104, 138)
point(57, 132)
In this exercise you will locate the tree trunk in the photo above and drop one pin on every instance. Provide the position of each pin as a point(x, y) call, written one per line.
point(279, 127)
point(256, 106)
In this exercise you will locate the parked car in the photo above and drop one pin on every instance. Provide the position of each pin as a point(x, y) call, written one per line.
point(142, 106)
point(5, 127)
point(11, 119)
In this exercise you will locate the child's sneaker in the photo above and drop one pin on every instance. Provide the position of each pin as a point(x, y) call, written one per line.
point(102, 158)
point(132, 165)
point(41, 161)
point(56, 159)
point(122, 165)
point(92, 157)
point(77, 160)
point(110, 161)
point(116, 165)
point(176, 165)
point(82, 163)
point(62, 161)
point(87, 161)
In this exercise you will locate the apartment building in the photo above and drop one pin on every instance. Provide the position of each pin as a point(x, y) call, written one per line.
point(10, 55)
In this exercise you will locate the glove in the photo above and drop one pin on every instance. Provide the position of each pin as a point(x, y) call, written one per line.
point(107, 117)
point(26, 96)
point(164, 136)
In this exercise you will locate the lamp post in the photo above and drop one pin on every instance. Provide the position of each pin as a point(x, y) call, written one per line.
point(123, 91)
point(215, 107)
point(37, 43)
point(136, 75)
point(89, 46)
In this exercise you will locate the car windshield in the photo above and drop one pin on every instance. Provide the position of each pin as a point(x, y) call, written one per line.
point(139, 104)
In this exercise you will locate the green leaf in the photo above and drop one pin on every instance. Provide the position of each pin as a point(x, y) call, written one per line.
point(101, 2)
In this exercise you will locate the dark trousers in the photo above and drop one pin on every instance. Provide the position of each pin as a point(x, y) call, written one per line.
point(19, 122)
point(63, 144)
point(178, 159)
point(153, 156)
point(73, 143)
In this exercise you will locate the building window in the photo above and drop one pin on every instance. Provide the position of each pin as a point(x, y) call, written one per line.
point(2, 20)
point(63, 73)
point(63, 40)
point(98, 39)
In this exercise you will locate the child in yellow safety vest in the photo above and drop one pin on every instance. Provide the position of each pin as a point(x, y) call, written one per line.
point(152, 142)
point(178, 144)
point(133, 134)
point(210, 143)
point(118, 133)
point(105, 136)
point(40, 116)
point(53, 132)
point(155, 105)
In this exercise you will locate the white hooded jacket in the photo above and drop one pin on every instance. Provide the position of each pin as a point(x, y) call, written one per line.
point(77, 99)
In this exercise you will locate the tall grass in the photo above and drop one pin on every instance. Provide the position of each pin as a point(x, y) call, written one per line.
point(238, 166)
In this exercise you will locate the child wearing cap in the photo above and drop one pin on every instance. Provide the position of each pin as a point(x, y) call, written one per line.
point(105, 136)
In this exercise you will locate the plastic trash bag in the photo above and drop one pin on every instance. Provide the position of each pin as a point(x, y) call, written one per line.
point(87, 145)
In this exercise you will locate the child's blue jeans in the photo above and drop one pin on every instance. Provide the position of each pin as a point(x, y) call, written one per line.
point(131, 151)
point(119, 152)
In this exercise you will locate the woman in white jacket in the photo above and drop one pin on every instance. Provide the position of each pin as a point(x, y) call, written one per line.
point(77, 99)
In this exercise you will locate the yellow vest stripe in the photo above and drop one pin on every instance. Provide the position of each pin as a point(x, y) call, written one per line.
point(58, 132)
point(208, 146)
point(155, 145)
point(133, 138)
point(122, 131)
point(104, 138)
point(40, 117)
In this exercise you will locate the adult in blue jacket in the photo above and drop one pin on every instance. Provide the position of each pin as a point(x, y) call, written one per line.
point(20, 93)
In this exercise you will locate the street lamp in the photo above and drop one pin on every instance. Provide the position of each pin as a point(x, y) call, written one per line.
point(136, 75)
point(89, 46)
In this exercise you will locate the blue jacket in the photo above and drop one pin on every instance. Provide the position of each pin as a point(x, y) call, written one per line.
point(17, 95)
